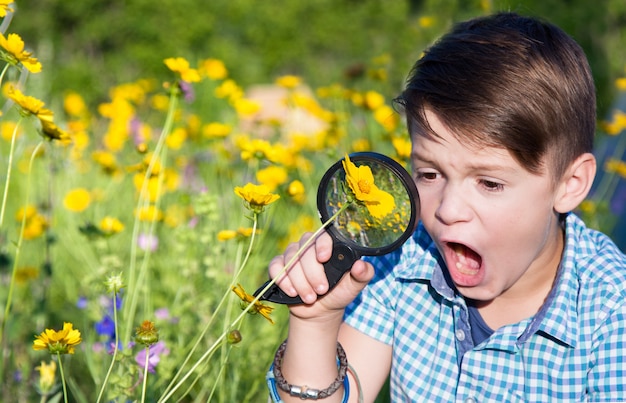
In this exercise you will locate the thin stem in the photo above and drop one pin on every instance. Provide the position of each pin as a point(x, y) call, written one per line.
point(219, 305)
point(131, 308)
point(62, 377)
point(145, 375)
point(115, 349)
point(7, 307)
point(9, 170)
point(252, 303)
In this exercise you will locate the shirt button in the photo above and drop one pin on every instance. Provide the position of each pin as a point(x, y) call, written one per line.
point(460, 335)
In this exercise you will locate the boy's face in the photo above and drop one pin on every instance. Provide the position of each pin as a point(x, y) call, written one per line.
point(492, 220)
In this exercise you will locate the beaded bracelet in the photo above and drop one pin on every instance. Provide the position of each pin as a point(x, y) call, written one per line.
point(304, 392)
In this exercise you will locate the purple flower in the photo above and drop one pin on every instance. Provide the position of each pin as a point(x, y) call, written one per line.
point(187, 91)
point(154, 356)
point(81, 303)
point(106, 327)
point(148, 242)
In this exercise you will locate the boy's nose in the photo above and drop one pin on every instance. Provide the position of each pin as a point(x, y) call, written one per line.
point(453, 206)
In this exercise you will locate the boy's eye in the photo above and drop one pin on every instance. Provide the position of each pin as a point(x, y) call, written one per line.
point(491, 185)
point(428, 176)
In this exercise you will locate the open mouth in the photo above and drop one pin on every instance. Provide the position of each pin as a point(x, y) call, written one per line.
point(464, 265)
point(467, 261)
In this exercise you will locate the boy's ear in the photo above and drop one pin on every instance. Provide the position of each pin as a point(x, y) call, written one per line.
point(575, 183)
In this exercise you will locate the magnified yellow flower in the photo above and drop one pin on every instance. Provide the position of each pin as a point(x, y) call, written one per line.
point(61, 342)
point(77, 200)
point(47, 376)
point(256, 197)
point(361, 181)
point(259, 307)
point(13, 51)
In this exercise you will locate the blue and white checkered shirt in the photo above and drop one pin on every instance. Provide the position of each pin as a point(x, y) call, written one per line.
point(573, 349)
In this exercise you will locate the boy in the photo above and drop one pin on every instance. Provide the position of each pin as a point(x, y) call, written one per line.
point(502, 294)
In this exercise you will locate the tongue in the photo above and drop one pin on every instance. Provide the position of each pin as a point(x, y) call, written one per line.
point(467, 258)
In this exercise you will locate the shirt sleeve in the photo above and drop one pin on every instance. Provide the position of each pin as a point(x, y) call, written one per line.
point(607, 375)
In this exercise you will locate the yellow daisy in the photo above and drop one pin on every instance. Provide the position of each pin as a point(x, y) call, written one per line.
point(61, 342)
point(13, 52)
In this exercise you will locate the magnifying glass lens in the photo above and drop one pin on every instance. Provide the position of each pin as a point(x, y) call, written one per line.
point(355, 224)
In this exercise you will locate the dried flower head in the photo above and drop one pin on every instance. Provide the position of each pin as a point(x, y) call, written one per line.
point(147, 334)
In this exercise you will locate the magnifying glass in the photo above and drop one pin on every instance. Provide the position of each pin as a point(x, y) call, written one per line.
point(359, 229)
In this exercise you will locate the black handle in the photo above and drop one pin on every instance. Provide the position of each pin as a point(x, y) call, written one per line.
point(340, 262)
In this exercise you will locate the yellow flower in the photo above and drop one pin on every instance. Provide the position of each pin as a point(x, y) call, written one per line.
point(47, 376)
point(74, 105)
point(77, 200)
point(402, 146)
point(246, 107)
point(373, 100)
point(149, 213)
point(213, 69)
point(14, 52)
point(259, 307)
point(272, 176)
point(226, 235)
point(176, 138)
point(387, 118)
point(29, 105)
point(620, 83)
point(35, 223)
point(147, 334)
point(181, 66)
point(229, 89)
point(288, 81)
point(256, 196)
point(4, 7)
point(111, 225)
point(51, 131)
point(61, 342)
point(216, 130)
point(361, 181)
point(296, 190)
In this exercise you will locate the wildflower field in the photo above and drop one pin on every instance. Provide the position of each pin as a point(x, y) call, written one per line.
point(133, 233)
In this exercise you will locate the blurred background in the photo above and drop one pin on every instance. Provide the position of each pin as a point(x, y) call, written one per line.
point(96, 44)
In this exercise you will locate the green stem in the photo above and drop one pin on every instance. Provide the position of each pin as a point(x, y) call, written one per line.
point(9, 170)
point(115, 349)
point(287, 266)
point(219, 305)
point(18, 249)
point(62, 377)
point(132, 280)
point(145, 375)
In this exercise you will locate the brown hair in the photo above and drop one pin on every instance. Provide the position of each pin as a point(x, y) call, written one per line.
point(507, 81)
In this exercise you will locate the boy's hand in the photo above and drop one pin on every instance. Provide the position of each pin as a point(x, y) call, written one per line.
point(307, 279)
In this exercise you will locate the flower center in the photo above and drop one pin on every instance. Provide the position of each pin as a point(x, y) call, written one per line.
point(365, 185)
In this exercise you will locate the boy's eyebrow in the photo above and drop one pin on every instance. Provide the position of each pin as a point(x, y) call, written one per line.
point(476, 167)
